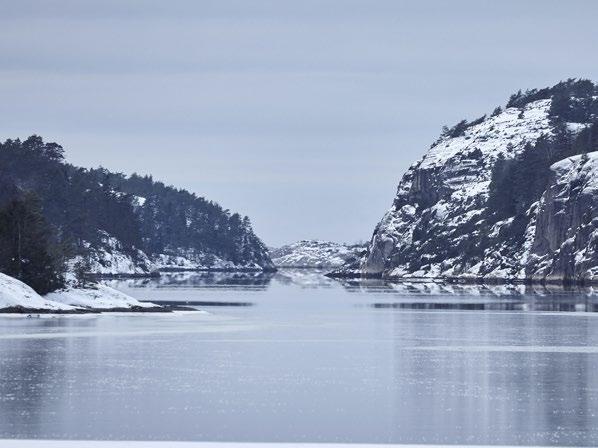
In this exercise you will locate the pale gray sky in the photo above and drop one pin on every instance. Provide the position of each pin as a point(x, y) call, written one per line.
point(301, 114)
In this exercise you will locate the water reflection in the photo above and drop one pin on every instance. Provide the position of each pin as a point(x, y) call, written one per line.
point(529, 303)
point(499, 396)
point(259, 281)
point(476, 297)
point(34, 368)
point(240, 280)
point(461, 289)
point(406, 295)
point(305, 278)
point(316, 360)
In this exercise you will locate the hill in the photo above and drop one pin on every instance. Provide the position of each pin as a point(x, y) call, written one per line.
point(509, 196)
point(54, 214)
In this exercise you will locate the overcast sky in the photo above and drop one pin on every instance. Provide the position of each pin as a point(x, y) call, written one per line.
point(302, 114)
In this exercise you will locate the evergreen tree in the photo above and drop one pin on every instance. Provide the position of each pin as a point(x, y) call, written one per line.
point(26, 250)
point(561, 104)
point(83, 206)
point(501, 198)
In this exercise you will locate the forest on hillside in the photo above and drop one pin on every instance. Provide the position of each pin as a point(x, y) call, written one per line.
point(51, 211)
point(519, 183)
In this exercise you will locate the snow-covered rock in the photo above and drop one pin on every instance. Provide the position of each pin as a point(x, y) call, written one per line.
point(15, 294)
point(192, 260)
point(111, 258)
point(440, 225)
point(314, 254)
point(441, 197)
point(98, 297)
point(566, 233)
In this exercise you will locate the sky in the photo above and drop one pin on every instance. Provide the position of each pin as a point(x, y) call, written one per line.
point(301, 114)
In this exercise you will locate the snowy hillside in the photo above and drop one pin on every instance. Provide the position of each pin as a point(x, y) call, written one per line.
point(189, 260)
point(99, 297)
point(17, 297)
point(16, 294)
point(314, 254)
point(109, 223)
point(108, 257)
point(483, 202)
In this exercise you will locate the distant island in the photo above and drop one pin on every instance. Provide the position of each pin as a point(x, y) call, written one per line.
point(315, 254)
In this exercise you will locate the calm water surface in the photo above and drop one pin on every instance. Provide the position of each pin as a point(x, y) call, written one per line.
point(299, 357)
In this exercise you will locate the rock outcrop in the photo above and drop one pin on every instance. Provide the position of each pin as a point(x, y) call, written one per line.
point(566, 233)
point(445, 222)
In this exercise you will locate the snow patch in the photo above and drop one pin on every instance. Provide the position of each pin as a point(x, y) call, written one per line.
point(15, 293)
point(194, 260)
point(97, 297)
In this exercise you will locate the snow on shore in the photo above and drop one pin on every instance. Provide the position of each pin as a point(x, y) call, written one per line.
point(16, 296)
point(97, 297)
point(15, 293)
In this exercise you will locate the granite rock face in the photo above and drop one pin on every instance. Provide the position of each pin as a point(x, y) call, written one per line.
point(566, 235)
point(432, 227)
point(440, 224)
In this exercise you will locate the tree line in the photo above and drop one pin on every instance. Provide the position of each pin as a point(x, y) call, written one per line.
point(51, 211)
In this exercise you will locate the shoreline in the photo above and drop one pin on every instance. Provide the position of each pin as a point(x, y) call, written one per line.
point(231, 270)
point(156, 274)
point(164, 309)
point(462, 280)
point(304, 267)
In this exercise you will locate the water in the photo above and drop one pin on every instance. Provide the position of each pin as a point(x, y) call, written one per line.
point(297, 357)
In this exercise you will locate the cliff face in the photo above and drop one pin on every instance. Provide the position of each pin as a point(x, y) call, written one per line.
point(432, 228)
point(442, 222)
point(566, 233)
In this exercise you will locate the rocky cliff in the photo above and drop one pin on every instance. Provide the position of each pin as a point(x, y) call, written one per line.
point(504, 197)
point(565, 244)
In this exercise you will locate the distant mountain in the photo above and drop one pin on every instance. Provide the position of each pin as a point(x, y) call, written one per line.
point(510, 196)
point(315, 254)
point(109, 223)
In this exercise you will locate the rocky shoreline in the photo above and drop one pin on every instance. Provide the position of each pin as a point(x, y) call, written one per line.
point(562, 281)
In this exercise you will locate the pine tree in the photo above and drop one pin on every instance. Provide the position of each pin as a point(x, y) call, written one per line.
point(560, 105)
point(501, 198)
point(26, 250)
point(84, 205)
